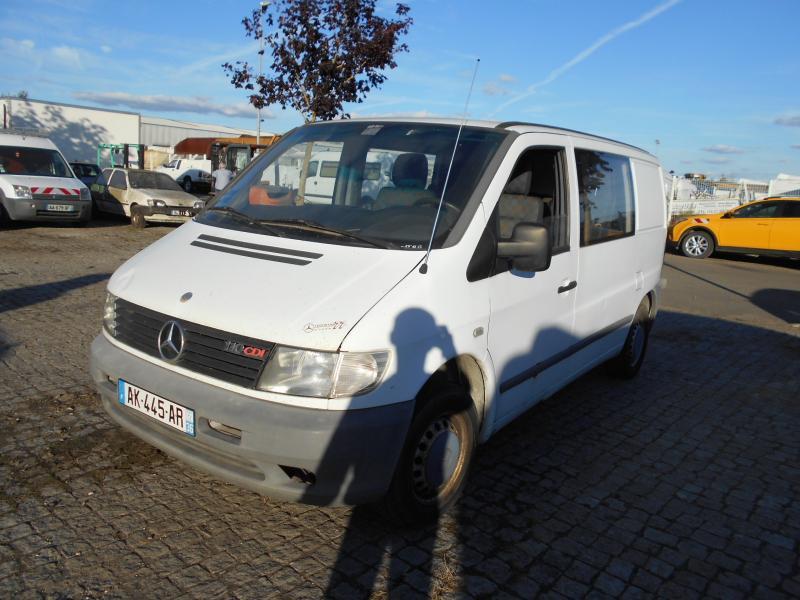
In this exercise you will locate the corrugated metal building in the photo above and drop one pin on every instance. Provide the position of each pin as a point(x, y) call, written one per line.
point(157, 131)
point(77, 130)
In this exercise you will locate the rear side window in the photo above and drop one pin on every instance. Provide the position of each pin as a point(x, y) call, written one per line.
point(791, 210)
point(605, 188)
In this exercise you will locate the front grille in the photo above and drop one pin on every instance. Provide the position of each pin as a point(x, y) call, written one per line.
point(61, 214)
point(57, 197)
point(204, 348)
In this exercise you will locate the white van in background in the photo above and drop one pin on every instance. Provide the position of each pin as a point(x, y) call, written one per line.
point(37, 184)
point(317, 352)
point(190, 173)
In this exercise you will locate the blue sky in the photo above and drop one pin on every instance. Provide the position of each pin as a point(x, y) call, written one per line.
point(716, 82)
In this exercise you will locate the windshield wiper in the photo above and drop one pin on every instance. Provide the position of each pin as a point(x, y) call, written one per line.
point(313, 225)
point(245, 218)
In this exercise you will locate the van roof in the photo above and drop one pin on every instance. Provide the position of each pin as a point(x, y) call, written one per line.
point(517, 126)
point(26, 140)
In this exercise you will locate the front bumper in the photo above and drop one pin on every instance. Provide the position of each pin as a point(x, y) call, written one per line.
point(20, 209)
point(352, 454)
point(168, 213)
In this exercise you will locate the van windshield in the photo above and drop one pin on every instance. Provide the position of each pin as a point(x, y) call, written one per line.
point(359, 183)
point(39, 162)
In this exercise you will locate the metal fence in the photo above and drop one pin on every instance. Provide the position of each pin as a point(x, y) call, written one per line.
point(706, 196)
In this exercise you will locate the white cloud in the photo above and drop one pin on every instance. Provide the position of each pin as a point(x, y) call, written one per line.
point(190, 104)
point(68, 56)
point(796, 146)
point(105, 49)
point(587, 52)
point(788, 121)
point(717, 161)
point(506, 78)
point(492, 89)
point(723, 149)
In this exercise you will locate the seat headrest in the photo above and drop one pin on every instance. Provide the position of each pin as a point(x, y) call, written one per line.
point(410, 170)
point(519, 185)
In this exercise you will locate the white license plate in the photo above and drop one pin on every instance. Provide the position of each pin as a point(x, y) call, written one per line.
point(61, 207)
point(163, 410)
point(181, 213)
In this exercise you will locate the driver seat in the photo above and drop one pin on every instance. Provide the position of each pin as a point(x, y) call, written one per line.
point(409, 176)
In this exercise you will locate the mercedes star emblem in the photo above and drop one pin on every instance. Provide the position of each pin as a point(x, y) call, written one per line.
point(170, 341)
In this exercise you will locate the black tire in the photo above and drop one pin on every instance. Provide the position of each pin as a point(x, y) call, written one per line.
point(187, 184)
point(628, 362)
point(5, 220)
point(420, 491)
point(697, 243)
point(137, 218)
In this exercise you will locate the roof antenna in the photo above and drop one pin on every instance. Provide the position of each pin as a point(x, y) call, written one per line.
point(423, 268)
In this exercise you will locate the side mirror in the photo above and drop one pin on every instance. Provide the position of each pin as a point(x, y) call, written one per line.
point(727, 215)
point(529, 248)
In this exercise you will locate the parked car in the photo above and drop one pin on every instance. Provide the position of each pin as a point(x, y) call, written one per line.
point(769, 227)
point(36, 184)
point(85, 171)
point(143, 196)
point(191, 174)
point(320, 353)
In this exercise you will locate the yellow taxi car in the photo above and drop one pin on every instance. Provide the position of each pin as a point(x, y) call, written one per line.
point(770, 227)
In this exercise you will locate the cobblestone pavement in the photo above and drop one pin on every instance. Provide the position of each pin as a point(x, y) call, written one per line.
point(681, 483)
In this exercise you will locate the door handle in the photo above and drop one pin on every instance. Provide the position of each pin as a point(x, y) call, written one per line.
point(565, 288)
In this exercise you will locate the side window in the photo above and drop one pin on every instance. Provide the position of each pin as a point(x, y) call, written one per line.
point(103, 178)
point(764, 210)
point(791, 210)
point(328, 168)
point(605, 188)
point(118, 180)
point(536, 193)
point(312, 168)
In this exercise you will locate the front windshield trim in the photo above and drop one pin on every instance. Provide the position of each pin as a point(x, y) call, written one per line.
point(472, 191)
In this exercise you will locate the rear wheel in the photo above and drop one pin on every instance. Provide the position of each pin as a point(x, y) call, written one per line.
point(628, 362)
point(432, 470)
point(697, 244)
point(4, 218)
point(137, 218)
point(187, 183)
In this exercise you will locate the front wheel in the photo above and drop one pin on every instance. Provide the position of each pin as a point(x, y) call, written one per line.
point(137, 218)
point(433, 467)
point(697, 244)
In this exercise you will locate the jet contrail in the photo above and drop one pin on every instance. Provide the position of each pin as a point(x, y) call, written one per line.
point(584, 54)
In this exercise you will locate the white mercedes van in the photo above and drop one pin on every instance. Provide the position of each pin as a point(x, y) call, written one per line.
point(360, 349)
point(37, 184)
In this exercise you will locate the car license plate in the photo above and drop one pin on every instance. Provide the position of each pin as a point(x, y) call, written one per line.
point(61, 207)
point(163, 410)
point(175, 212)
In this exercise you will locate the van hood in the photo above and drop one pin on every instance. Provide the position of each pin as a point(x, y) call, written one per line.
point(282, 290)
point(43, 184)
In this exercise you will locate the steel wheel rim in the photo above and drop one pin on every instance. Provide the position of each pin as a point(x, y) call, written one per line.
point(696, 245)
point(437, 459)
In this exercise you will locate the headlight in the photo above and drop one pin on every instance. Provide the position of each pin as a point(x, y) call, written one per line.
point(322, 374)
point(23, 191)
point(110, 313)
point(86, 194)
point(199, 205)
point(151, 202)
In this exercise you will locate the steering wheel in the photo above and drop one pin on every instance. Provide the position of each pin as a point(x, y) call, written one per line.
point(434, 202)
